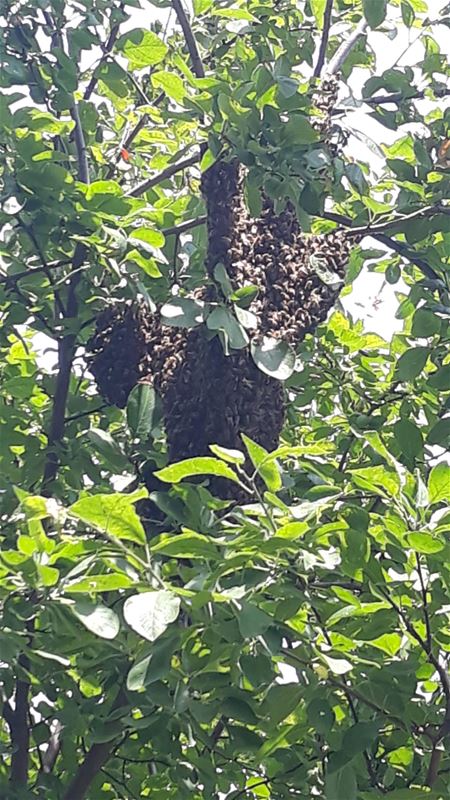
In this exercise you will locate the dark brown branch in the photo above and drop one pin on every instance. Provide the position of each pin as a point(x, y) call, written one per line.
point(405, 252)
point(66, 352)
point(324, 40)
point(182, 227)
point(345, 49)
point(191, 44)
point(66, 345)
point(28, 273)
point(441, 670)
point(86, 413)
point(166, 173)
point(20, 729)
point(106, 50)
point(423, 591)
point(80, 144)
point(30, 233)
point(94, 760)
point(53, 749)
point(398, 97)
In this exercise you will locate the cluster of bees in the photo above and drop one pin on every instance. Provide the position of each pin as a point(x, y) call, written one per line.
point(209, 397)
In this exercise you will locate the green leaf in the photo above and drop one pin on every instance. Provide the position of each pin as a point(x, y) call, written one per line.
point(150, 613)
point(265, 467)
point(355, 174)
point(152, 668)
point(142, 48)
point(148, 235)
point(338, 666)
point(440, 433)
point(412, 362)
point(320, 715)
point(425, 323)
point(274, 357)
point(318, 8)
point(232, 456)
point(374, 12)
point(170, 83)
point(409, 438)
point(97, 618)
point(408, 15)
point(222, 319)
point(104, 444)
point(298, 130)
point(196, 466)
point(252, 620)
point(287, 86)
point(441, 378)
point(292, 530)
point(186, 545)
point(341, 785)
point(425, 543)
point(113, 514)
point(141, 410)
point(281, 701)
point(359, 737)
point(439, 483)
point(183, 312)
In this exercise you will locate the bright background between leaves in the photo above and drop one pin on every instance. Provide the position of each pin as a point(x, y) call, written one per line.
point(298, 646)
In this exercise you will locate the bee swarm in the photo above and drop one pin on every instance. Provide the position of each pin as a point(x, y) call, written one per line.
point(209, 397)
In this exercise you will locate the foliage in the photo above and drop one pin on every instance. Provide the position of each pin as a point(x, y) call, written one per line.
point(297, 645)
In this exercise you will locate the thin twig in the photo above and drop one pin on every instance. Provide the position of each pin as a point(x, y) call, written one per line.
point(80, 144)
point(423, 591)
point(166, 173)
point(345, 49)
point(324, 40)
point(28, 273)
point(106, 50)
point(191, 44)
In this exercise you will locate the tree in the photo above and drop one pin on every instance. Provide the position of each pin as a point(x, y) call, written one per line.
point(273, 621)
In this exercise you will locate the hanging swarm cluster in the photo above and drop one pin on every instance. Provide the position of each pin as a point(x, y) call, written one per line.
point(270, 253)
point(209, 397)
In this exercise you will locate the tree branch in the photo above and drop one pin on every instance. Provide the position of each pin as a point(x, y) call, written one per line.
point(106, 50)
point(346, 47)
point(66, 345)
point(166, 173)
point(324, 40)
point(19, 728)
point(191, 44)
point(441, 670)
point(182, 227)
point(397, 97)
point(94, 760)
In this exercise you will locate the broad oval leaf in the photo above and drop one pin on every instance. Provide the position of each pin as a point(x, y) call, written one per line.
point(97, 618)
point(142, 48)
point(374, 12)
point(439, 483)
point(183, 312)
point(266, 467)
point(412, 362)
point(425, 543)
point(150, 613)
point(274, 358)
point(142, 410)
point(188, 544)
point(196, 466)
point(112, 514)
